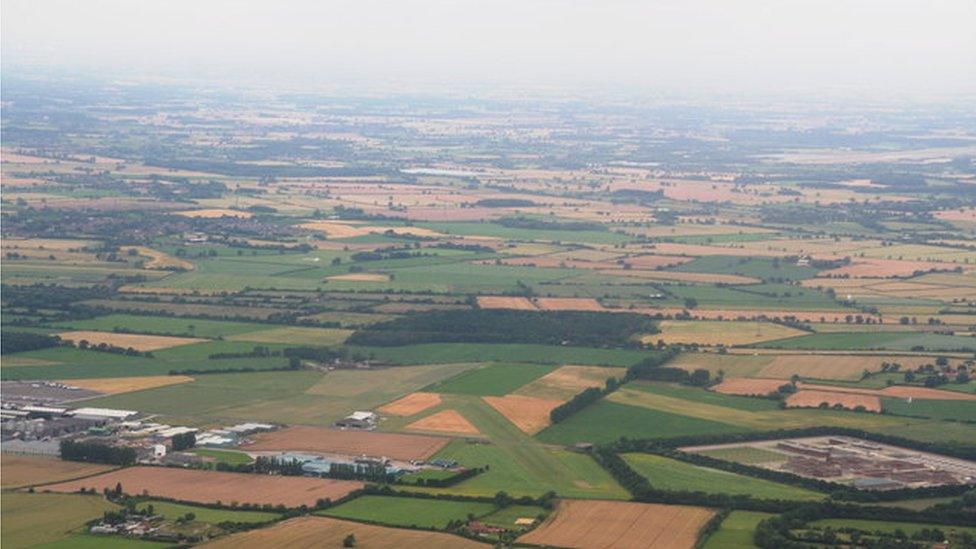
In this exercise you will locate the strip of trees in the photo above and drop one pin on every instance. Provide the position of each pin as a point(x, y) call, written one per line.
point(96, 452)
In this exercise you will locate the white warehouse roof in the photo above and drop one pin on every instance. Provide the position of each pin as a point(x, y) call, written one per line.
point(102, 412)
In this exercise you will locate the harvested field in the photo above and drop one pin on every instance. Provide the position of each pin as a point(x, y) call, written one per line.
point(445, 421)
point(841, 367)
point(312, 531)
point(211, 213)
point(586, 524)
point(414, 403)
point(895, 391)
point(136, 341)
point(529, 414)
point(21, 471)
point(569, 304)
point(748, 386)
point(333, 441)
point(805, 398)
point(565, 382)
point(162, 261)
point(720, 333)
point(116, 385)
point(361, 277)
point(213, 486)
point(504, 302)
point(335, 229)
point(884, 268)
point(925, 393)
point(962, 214)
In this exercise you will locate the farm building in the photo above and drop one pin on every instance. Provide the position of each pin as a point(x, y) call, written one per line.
point(101, 413)
point(358, 420)
point(318, 465)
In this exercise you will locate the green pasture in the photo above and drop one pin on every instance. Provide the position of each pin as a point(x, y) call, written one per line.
point(496, 379)
point(670, 474)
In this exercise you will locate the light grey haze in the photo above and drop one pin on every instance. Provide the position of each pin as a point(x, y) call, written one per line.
point(873, 46)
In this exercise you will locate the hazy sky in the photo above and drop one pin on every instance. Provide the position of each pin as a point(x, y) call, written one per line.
point(923, 46)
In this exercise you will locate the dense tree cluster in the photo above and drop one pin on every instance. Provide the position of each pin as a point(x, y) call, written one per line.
point(15, 342)
point(97, 452)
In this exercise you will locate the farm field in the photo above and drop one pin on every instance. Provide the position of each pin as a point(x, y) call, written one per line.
point(833, 366)
point(117, 385)
point(494, 379)
point(445, 421)
point(126, 341)
point(32, 519)
point(326, 440)
point(173, 511)
point(311, 530)
point(736, 531)
point(619, 524)
point(212, 486)
point(411, 404)
point(670, 474)
point(887, 341)
point(434, 353)
point(194, 327)
point(21, 471)
point(647, 411)
point(402, 511)
point(720, 333)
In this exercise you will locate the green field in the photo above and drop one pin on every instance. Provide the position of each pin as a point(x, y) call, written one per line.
point(516, 463)
point(305, 397)
point(654, 410)
point(736, 531)
point(756, 267)
point(496, 379)
point(432, 353)
point(173, 511)
point(962, 410)
point(607, 421)
point(896, 341)
point(402, 511)
point(225, 456)
point(72, 363)
point(295, 335)
point(32, 519)
point(89, 541)
point(191, 327)
point(670, 474)
point(506, 516)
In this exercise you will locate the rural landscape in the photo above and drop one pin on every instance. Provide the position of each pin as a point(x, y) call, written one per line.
point(277, 317)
